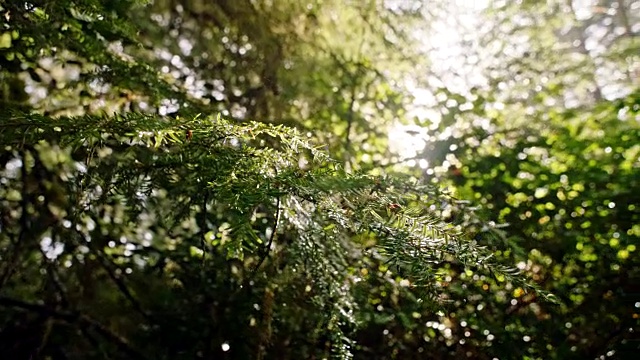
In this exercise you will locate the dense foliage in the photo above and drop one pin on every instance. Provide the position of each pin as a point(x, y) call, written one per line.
point(549, 148)
point(193, 179)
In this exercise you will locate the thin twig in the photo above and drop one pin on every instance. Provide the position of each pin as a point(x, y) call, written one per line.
point(273, 235)
point(124, 289)
point(203, 227)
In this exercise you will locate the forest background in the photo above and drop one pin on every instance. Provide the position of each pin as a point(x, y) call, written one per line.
point(288, 179)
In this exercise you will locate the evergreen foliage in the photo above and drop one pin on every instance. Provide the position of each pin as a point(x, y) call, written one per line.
point(187, 179)
point(161, 207)
point(138, 235)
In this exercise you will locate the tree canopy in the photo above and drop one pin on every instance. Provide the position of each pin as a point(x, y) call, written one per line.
point(186, 179)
